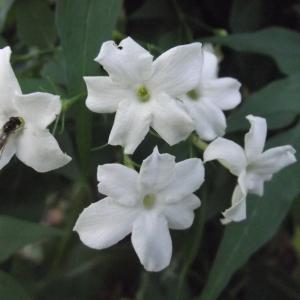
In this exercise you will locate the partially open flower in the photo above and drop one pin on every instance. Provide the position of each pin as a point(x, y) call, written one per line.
point(146, 203)
point(23, 123)
point(252, 166)
point(143, 92)
point(205, 103)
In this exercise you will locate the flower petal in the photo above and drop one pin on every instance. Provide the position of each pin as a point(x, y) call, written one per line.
point(256, 137)
point(170, 120)
point(8, 82)
point(238, 210)
point(209, 120)
point(104, 223)
point(180, 215)
point(223, 92)
point(178, 70)
point(128, 63)
point(228, 153)
point(104, 95)
point(210, 66)
point(131, 125)
point(188, 177)
point(38, 149)
point(273, 160)
point(118, 182)
point(152, 241)
point(156, 171)
point(39, 109)
point(7, 151)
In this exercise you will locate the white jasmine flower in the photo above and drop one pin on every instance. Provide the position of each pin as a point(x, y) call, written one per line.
point(143, 91)
point(252, 166)
point(205, 103)
point(146, 203)
point(23, 122)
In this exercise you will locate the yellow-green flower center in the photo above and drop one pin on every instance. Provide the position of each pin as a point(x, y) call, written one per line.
point(142, 93)
point(193, 94)
point(149, 200)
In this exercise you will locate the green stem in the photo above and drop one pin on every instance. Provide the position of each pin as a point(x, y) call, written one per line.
point(67, 103)
point(80, 194)
point(100, 147)
point(198, 143)
point(194, 247)
point(128, 162)
point(29, 56)
point(182, 19)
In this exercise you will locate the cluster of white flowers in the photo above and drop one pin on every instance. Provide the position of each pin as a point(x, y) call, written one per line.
point(176, 94)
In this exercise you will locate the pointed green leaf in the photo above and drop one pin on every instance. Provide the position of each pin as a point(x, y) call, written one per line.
point(278, 102)
point(265, 215)
point(15, 234)
point(35, 23)
point(283, 45)
point(5, 5)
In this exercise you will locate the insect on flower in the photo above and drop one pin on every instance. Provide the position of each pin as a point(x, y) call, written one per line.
point(10, 127)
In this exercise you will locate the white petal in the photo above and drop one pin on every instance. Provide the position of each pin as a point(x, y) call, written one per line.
point(170, 120)
point(39, 109)
point(238, 210)
point(273, 160)
point(156, 171)
point(180, 215)
point(7, 152)
point(178, 70)
point(223, 92)
point(228, 153)
point(256, 137)
point(118, 182)
point(210, 67)
point(188, 177)
point(8, 82)
point(254, 183)
point(209, 120)
point(104, 223)
point(131, 125)
point(126, 63)
point(38, 149)
point(104, 95)
point(152, 241)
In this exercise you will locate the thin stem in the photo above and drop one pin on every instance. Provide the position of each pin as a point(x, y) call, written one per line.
point(201, 145)
point(182, 19)
point(128, 162)
point(194, 247)
point(80, 194)
point(67, 103)
point(38, 53)
point(99, 147)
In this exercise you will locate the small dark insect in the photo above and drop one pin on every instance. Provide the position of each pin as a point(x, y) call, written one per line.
point(13, 124)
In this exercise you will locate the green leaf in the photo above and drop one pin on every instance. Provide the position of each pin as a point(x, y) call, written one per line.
point(281, 44)
point(83, 26)
point(10, 289)
point(15, 234)
point(247, 15)
point(278, 102)
point(265, 215)
point(35, 23)
point(5, 5)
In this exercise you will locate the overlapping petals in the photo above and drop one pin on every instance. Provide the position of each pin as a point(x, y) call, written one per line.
point(31, 142)
point(209, 97)
point(252, 166)
point(143, 92)
point(147, 204)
